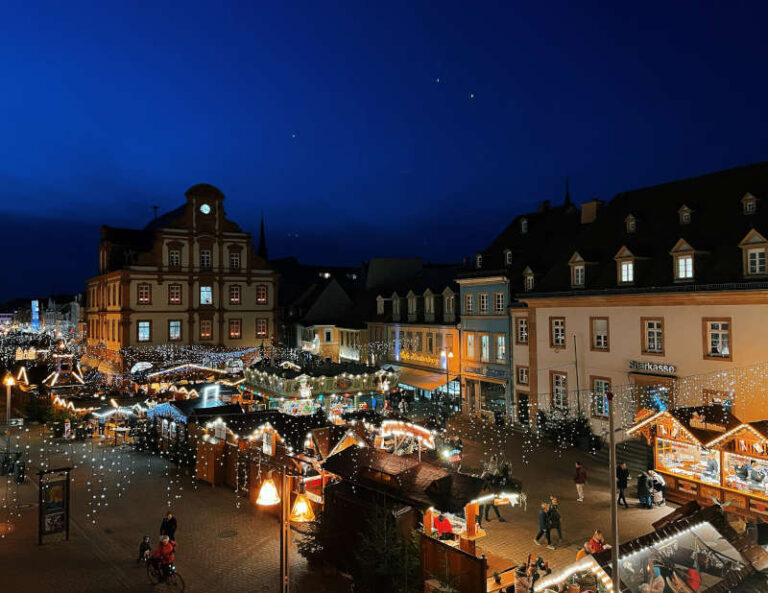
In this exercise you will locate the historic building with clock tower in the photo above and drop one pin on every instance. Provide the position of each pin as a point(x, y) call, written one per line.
point(191, 276)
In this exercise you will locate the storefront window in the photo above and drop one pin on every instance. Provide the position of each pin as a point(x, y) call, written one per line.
point(748, 474)
point(688, 461)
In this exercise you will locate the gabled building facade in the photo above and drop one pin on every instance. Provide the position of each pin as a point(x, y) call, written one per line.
point(190, 276)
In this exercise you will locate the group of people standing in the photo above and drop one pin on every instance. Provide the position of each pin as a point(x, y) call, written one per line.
point(165, 552)
point(549, 520)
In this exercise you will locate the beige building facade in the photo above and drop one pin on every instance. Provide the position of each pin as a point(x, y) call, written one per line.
point(190, 277)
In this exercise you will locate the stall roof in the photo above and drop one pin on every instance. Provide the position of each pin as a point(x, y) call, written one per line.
point(714, 414)
point(427, 380)
point(203, 414)
point(420, 484)
point(293, 429)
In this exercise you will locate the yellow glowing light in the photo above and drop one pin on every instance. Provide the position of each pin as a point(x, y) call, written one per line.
point(268, 495)
point(302, 511)
point(9, 381)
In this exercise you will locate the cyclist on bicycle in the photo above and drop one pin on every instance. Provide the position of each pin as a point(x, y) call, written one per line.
point(163, 556)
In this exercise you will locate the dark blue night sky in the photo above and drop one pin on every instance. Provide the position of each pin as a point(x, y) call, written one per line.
point(359, 128)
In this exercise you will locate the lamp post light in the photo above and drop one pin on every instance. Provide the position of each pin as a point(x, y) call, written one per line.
point(301, 513)
point(9, 382)
point(615, 576)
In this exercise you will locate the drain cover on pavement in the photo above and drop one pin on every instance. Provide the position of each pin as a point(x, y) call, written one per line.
point(229, 533)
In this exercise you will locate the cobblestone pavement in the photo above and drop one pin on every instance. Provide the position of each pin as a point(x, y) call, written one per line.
point(222, 547)
point(545, 473)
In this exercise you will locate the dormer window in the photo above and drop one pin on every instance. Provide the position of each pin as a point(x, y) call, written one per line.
point(412, 304)
point(523, 225)
point(429, 304)
point(479, 261)
point(396, 307)
point(379, 306)
point(749, 204)
point(528, 279)
point(754, 247)
point(685, 215)
point(682, 257)
point(579, 275)
point(625, 266)
point(508, 257)
point(631, 223)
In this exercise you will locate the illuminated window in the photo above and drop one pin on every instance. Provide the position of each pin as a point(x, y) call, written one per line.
point(235, 329)
point(144, 293)
point(483, 302)
point(653, 331)
point(718, 338)
point(174, 330)
point(599, 333)
point(206, 295)
point(145, 331)
point(522, 375)
point(261, 328)
point(174, 294)
point(485, 348)
point(501, 347)
point(261, 294)
point(627, 272)
point(470, 346)
point(529, 282)
point(206, 329)
point(234, 294)
point(631, 223)
point(684, 268)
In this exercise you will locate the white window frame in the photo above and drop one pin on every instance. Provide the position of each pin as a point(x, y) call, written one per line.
point(501, 347)
point(144, 293)
point(174, 258)
point(235, 329)
point(380, 307)
point(720, 337)
point(235, 294)
point(756, 261)
point(483, 302)
point(654, 336)
point(485, 348)
point(141, 335)
point(206, 334)
point(471, 346)
point(684, 267)
point(579, 275)
point(626, 271)
point(522, 330)
point(262, 294)
point(174, 294)
point(262, 328)
point(599, 339)
point(508, 257)
point(529, 282)
point(234, 260)
point(523, 375)
point(600, 389)
point(523, 225)
point(557, 332)
point(498, 303)
point(469, 304)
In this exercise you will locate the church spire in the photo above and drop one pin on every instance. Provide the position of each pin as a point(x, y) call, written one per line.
point(262, 251)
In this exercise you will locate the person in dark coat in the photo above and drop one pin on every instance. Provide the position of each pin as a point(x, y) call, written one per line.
point(554, 517)
point(622, 481)
point(644, 487)
point(544, 526)
point(580, 478)
point(168, 526)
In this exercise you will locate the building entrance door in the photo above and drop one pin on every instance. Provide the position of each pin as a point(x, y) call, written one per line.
point(653, 392)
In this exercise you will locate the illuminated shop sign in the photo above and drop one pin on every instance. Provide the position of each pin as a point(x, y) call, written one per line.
point(654, 367)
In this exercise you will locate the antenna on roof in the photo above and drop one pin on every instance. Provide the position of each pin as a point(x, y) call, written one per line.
point(155, 209)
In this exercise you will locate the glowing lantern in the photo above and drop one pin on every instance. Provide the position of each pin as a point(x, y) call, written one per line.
point(302, 511)
point(268, 495)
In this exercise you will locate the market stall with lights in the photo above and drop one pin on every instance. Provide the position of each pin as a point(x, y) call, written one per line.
point(682, 449)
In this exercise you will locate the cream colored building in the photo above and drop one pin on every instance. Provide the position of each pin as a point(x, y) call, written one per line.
point(660, 296)
point(190, 276)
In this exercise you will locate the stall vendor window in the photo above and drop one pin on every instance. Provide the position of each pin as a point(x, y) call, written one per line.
point(688, 461)
point(749, 474)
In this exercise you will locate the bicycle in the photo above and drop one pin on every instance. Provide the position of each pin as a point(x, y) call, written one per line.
point(173, 580)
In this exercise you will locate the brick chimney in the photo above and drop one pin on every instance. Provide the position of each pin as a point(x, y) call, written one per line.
point(589, 210)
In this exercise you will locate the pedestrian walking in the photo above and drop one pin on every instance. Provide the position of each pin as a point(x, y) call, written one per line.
point(168, 526)
point(544, 526)
point(580, 479)
point(554, 517)
point(622, 481)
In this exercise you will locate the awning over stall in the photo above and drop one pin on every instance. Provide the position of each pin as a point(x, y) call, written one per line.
point(422, 379)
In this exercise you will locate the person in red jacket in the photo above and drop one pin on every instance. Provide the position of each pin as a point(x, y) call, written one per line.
point(580, 479)
point(164, 555)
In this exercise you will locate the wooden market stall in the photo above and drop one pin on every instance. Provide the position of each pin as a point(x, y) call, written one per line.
point(705, 453)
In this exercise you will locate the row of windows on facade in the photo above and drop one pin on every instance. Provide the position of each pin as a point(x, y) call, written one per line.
point(429, 305)
point(111, 330)
point(144, 294)
point(483, 352)
point(717, 335)
point(205, 259)
point(483, 303)
point(425, 342)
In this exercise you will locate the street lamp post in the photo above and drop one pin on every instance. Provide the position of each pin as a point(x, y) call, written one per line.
point(9, 382)
point(614, 494)
point(301, 513)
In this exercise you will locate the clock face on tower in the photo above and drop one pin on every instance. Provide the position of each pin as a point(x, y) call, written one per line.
point(205, 209)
